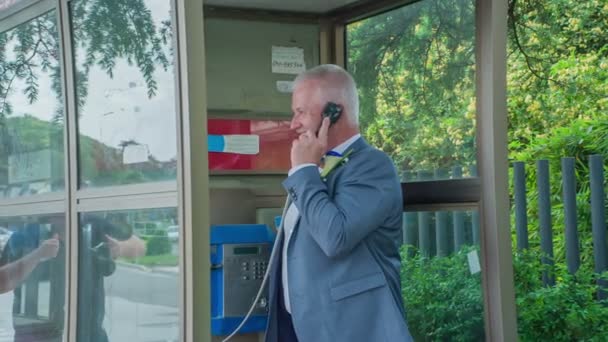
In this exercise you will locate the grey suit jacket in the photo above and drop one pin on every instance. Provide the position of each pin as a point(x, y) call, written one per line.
point(343, 256)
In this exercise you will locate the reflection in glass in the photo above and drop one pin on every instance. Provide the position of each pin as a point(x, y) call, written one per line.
point(125, 89)
point(415, 70)
point(441, 276)
point(128, 276)
point(31, 109)
point(33, 248)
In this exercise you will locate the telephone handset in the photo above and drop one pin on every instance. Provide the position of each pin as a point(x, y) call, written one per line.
point(332, 111)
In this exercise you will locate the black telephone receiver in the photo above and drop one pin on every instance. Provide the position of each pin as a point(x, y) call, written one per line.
point(332, 111)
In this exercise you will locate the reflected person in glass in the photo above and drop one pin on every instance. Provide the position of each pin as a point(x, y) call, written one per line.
point(337, 276)
point(43, 284)
point(13, 274)
point(97, 254)
point(102, 239)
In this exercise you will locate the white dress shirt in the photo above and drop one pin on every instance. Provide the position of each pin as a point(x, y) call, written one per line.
point(291, 217)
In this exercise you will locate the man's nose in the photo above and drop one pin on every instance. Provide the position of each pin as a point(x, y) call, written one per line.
point(294, 124)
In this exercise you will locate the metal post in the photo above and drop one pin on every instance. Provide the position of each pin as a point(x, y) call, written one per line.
point(475, 216)
point(521, 205)
point(544, 213)
point(410, 220)
point(458, 217)
point(441, 224)
point(598, 219)
point(569, 198)
point(424, 229)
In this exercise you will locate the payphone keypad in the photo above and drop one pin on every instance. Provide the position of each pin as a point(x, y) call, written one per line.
point(244, 269)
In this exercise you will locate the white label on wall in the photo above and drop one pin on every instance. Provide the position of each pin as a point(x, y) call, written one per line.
point(287, 60)
point(474, 266)
point(285, 86)
point(135, 154)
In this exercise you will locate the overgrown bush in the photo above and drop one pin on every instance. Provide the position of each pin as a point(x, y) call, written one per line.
point(568, 311)
point(444, 301)
point(442, 298)
point(158, 243)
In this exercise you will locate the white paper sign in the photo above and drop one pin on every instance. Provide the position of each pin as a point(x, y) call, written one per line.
point(285, 86)
point(135, 154)
point(474, 266)
point(287, 60)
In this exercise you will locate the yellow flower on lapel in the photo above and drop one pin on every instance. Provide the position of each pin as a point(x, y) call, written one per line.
point(332, 162)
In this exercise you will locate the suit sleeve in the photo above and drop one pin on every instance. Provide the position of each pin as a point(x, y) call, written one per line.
point(366, 194)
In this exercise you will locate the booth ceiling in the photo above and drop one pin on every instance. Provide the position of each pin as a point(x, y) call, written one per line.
point(310, 6)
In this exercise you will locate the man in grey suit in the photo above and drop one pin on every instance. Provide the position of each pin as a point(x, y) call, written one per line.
point(336, 274)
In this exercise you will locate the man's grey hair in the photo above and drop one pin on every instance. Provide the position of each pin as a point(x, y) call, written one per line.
point(337, 85)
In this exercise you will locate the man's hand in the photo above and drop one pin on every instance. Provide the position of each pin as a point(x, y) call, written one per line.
point(308, 147)
point(48, 249)
point(134, 247)
point(114, 246)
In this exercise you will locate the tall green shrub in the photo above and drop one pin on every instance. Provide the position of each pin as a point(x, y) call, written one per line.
point(568, 311)
point(442, 298)
point(444, 301)
point(158, 243)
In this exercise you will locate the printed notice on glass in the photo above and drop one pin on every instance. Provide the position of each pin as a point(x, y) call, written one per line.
point(287, 60)
point(473, 259)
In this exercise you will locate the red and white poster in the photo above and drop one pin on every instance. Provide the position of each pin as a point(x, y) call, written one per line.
point(275, 140)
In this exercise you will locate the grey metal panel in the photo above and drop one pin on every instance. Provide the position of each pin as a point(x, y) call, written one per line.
point(33, 208)
point(22, 11)
point(365, 8)
point(127, 190)
point(318, 6)
point(451, 191)
point(279, 16)
point(141, 201)
point(46, 197)
point(239, 63)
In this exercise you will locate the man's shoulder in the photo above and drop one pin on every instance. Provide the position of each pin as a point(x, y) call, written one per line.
point(365, 152)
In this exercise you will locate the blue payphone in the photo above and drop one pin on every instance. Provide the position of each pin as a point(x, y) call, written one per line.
point(239, 259)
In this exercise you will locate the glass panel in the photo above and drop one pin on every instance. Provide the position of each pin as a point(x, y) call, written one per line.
point(441, 276)
point(128, 276)
point(33, 255)
point(125, 90)
point(415, 70)
point(31, 109)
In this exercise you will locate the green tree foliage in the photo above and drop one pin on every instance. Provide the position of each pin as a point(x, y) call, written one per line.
point(415, 71)
point(557, 66)
point(558, 100)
